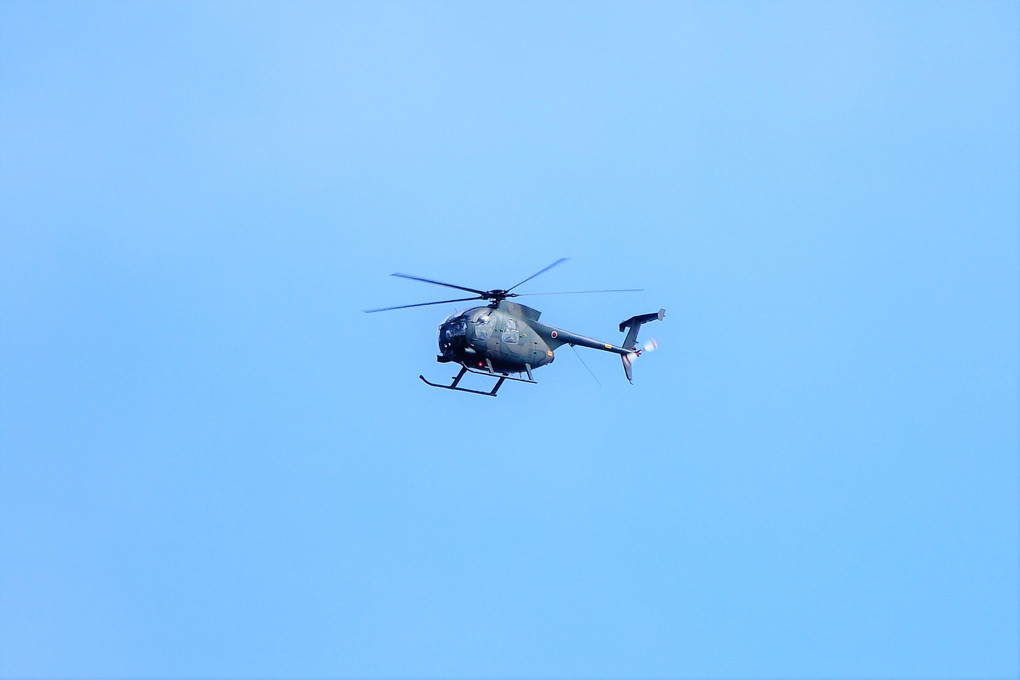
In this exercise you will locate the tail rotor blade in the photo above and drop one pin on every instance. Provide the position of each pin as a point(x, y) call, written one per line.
point(631, 357)
point(649, 346)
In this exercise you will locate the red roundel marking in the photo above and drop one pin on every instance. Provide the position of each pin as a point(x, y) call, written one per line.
point(554, 334)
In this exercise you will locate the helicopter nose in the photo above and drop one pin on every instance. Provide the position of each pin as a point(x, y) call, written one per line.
point(452, 338)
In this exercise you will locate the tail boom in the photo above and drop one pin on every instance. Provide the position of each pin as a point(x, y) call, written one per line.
point(555, 337)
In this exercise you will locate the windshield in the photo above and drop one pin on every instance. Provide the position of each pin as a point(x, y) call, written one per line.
point(452, 334)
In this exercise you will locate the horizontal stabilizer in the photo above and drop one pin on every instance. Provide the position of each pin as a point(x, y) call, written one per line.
point(634, 323)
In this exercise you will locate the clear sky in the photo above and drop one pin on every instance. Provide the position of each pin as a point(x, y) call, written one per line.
point(214, 464)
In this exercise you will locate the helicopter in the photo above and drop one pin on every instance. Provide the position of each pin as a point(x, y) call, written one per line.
point(506, 337)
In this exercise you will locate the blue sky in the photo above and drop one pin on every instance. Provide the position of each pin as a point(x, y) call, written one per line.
point(213, 464)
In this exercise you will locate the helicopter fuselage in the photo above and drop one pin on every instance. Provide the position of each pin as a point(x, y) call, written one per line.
point(510, 337)
point(507, 336)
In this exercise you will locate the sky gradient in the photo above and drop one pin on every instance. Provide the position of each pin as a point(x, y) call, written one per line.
point(214, 464)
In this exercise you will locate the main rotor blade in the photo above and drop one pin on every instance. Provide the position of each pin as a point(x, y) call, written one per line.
point(439, 283)
point(421, 304)
point(541, 271)
point(580, 292)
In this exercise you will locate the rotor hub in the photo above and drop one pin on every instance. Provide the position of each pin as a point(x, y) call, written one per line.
point(498, 294)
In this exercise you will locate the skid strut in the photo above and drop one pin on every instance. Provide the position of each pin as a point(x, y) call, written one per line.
point(500, 377)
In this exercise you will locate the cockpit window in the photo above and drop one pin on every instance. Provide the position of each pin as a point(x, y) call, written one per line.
point(483, 327)
point(511, 335)
point(452, 335)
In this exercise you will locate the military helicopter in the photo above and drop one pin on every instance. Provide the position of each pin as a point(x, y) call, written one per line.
point(506, 337)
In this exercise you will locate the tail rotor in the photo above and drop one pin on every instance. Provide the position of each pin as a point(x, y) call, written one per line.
point(629, 359)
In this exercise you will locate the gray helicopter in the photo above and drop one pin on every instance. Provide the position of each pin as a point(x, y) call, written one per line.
point(506, 337)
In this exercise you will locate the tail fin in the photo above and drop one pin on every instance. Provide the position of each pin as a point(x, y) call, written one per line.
point(628, 368)
point(630, 342)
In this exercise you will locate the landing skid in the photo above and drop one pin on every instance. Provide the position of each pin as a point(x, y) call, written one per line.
point(500, 377)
